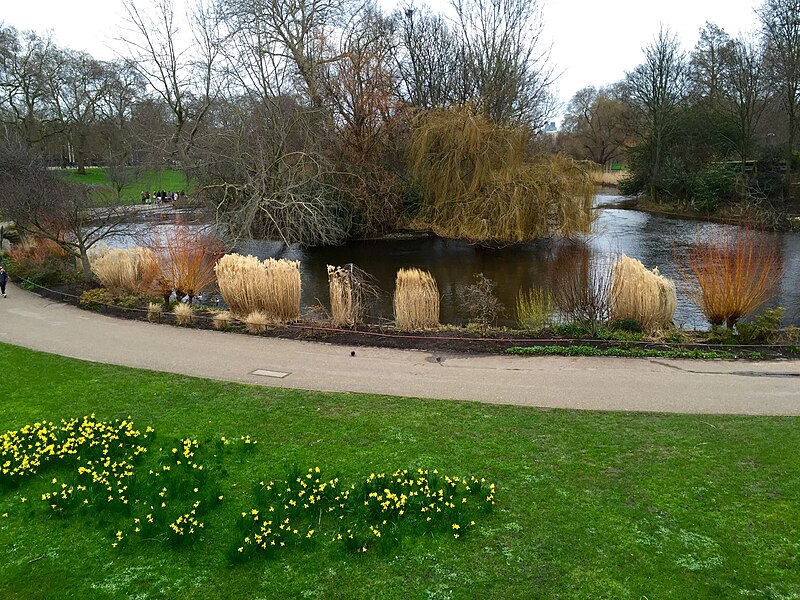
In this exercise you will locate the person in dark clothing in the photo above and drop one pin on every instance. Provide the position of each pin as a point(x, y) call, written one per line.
point(3, 281)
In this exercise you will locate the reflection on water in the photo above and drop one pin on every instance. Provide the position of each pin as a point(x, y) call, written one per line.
point(653, 239)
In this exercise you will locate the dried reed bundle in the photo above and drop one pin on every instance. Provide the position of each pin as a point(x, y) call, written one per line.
point(222, 320)
point(350, 288)
point(126, 270)
point(643, 295)
point(183, 313)
point(272, 286)
point(256, 322)
point(731, 274)
point(416, 300)
point(282, 286)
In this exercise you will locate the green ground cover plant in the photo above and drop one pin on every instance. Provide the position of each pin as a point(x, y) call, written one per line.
point(622, 352)
point(600, 505)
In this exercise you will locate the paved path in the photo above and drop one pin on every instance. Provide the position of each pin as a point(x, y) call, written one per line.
point(735, 387)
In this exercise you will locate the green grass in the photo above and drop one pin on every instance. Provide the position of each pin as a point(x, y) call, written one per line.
point(589, 505)
point(153, 180)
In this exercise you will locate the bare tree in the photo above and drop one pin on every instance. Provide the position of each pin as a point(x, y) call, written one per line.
point(746, 91)
point(25, 59)
point(780, 23)
point(42, 204)
point(599, 123)
point(707, 64)
point(429, 59)
point(656, 89)
point(508, 72)
point(178, 68)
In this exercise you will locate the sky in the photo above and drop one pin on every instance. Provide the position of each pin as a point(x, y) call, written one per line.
point(593, 42)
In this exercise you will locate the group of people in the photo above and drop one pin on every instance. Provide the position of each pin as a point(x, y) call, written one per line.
point(161, 197)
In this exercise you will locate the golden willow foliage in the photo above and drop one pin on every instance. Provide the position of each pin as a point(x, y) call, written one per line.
point(478, 183)
point(248, 285)
point(416, 300)
point(643, 295)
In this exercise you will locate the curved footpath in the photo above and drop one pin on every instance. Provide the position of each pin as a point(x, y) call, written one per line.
point(733, 387)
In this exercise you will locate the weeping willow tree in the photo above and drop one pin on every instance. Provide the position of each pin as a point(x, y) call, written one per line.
point(478, 183)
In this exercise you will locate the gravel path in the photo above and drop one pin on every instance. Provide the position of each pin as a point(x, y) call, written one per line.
point(660, 385)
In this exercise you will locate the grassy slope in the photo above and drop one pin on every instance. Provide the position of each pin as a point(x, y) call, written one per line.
point(153, 180)
point(590, 505)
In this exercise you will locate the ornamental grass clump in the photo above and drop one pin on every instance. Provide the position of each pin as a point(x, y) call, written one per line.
point(416, 300)
point(272, 286)
point(350, 289)
point(184, 314)
point(256, 322)
point(642, 295)
point(128, 270)
point(154, 312)
point(731, 274)
point(222, 320)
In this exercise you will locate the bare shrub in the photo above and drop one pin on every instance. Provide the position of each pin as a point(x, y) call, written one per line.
point(581, 287)
point(185, 260)
point(154, 312)
point(534, 309)
point(642, 295)
point(479, 302)
point(350, 289)
point(272, 286)
point(222, 320)
point(730, 274)
point(184, 314)
point(416, 300)
point(256, 322)
point(126, 270)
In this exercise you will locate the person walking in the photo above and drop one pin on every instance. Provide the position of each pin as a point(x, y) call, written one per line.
point(3, 281)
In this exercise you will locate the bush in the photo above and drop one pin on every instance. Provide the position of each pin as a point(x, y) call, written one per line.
point(581, 287)
point(534, 309)
point(479, 302)
point(764, 327)
point(42, 262)
point(96, 298)
point(416, 300)
point(731, 274)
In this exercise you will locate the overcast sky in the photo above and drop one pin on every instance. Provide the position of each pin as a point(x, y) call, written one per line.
point(593, 42)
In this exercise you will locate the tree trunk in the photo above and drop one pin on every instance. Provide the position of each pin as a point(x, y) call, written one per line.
point(87, 267)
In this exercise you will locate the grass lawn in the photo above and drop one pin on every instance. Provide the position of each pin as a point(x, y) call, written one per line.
point(589, 505)
point(153, 180)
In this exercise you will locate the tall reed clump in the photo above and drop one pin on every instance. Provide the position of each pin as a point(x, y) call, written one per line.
point(534, 309)
point(350, 289)
point(416, 300)
point(126, 270)
point(271, 286)
point(478, 182)
point(731, 273)
point(642, 295)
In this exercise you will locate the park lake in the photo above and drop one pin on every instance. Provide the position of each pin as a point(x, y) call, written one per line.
point(654, 239)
